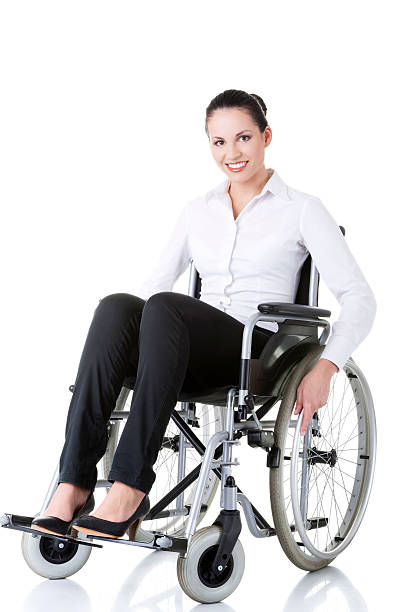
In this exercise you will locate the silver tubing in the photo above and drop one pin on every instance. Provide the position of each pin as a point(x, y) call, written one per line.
point(226, 465)
point(192, 281)
point(181, 468)
point(250, 518)
point(103, 484)
point(304, 498)
point(207, 463)
point(230, 498)
point(259, 316)
point(258, 424)
point(120, 414)
point(242, 393)
point(208, 456)
point(247, 425)
point(51, 489)
point(229, 416)
point(325, 334)
point(314, 277)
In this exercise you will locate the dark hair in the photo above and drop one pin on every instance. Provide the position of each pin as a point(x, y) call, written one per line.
point(237, 98)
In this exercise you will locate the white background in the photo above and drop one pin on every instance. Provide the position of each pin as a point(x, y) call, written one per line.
point(102, 113)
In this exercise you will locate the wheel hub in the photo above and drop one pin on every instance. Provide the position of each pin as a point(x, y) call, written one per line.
point(172, 443)
point(207, 576)
point(316, 456)
point(57, 551)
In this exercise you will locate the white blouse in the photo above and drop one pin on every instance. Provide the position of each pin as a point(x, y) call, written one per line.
point(258, 258)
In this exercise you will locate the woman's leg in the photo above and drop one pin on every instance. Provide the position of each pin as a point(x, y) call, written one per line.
point(111, 342)
point(183, 343)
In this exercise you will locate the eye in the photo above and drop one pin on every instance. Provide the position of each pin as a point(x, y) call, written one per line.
point(243, 136)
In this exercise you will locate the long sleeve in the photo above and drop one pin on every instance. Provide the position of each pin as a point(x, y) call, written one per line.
point(172, 261)
point(323, 239)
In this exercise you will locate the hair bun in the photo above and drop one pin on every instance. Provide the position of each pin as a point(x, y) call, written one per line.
point(260, 102)
point(242, 100)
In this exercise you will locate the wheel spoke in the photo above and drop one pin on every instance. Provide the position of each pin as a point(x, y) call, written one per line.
point(336, 482)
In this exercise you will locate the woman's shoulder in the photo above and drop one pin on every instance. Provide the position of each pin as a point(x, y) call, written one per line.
point(200, 202)
point(305, 202)
point(298, 196)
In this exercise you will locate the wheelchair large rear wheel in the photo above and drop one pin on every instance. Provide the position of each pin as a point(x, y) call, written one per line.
point(208, 420)
point(321, 488)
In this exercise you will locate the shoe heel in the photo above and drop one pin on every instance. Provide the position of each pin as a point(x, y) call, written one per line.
point(73, 533)
point(132, 530)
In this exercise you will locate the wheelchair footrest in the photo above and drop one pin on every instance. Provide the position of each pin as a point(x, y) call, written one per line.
point(160, 541)
point(23, 523)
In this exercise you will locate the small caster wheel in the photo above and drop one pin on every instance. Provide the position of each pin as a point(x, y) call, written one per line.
point(53, 558)
point(193, 571)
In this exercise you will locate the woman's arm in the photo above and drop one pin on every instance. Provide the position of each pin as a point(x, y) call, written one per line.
point(323, 239)
point(172, 261)
point(328, 248)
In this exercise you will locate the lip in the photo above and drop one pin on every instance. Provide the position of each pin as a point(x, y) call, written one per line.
point(238, 169)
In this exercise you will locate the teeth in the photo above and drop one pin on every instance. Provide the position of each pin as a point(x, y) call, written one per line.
point(237, 165)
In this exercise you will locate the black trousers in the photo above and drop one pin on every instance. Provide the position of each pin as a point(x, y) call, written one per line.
point(171, 342)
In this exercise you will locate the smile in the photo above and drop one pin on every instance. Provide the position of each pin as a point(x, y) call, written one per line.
point(237, 167)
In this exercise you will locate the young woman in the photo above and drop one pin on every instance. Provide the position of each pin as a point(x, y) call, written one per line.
point(248, 237)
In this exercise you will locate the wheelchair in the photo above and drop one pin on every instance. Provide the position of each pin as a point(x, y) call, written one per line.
point(319, 483)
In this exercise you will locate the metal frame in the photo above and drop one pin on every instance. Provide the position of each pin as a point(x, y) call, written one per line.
point(227, 437)
point(220, 443)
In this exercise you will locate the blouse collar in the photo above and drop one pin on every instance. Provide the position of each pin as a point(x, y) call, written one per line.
point(274, 185)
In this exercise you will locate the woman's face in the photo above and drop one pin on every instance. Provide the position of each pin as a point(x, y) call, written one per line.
point(234, 137)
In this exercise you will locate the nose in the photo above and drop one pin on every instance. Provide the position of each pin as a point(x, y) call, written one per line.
point(232, 155)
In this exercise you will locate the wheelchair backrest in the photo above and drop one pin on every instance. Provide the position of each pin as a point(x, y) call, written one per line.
point(308, 286)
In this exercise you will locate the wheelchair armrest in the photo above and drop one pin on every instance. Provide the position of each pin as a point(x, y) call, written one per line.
point(286, 308)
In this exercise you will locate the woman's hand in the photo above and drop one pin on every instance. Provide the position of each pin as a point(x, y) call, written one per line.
point(314, 390)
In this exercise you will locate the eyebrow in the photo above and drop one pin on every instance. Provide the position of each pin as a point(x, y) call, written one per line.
point(238, 134)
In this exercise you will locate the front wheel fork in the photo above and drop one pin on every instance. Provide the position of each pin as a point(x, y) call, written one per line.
point(230, 522)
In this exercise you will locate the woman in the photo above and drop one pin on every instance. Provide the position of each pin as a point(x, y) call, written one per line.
point(248, 237)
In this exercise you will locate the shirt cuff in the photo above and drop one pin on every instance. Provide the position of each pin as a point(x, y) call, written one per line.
point(338, 350)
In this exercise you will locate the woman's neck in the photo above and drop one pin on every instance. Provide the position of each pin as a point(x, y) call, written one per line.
point(242, 193)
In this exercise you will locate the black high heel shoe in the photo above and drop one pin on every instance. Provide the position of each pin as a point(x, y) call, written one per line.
point(111, 529)
point(55, 525)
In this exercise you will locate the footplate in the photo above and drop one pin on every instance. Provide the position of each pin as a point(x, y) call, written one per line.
point(23, 523)
point(160, 541)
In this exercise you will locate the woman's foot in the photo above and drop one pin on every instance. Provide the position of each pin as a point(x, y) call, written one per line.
point(66, 500)
point(120, 503)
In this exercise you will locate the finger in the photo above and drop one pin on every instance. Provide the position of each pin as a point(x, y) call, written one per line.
point(298, 405)
point(305, 422)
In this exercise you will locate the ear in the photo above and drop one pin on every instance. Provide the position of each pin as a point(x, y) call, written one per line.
point(268, 135)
